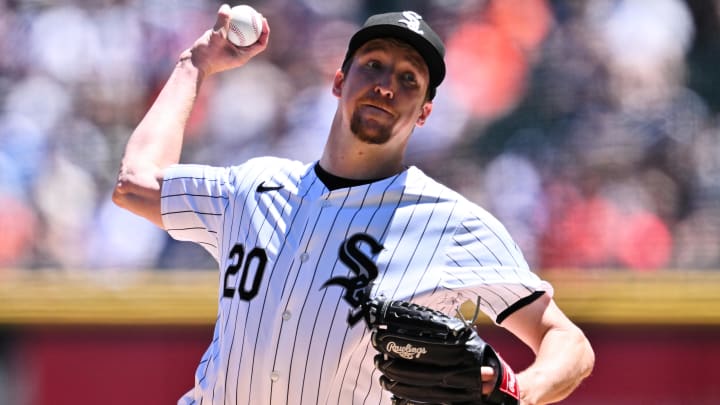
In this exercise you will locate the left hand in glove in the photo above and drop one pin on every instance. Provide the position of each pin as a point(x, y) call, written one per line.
point(427, 357)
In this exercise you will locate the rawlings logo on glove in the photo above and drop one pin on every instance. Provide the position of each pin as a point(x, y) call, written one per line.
point(406, 352)
point(427, 357)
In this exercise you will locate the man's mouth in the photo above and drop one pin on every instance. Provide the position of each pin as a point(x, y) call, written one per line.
point(378, 107)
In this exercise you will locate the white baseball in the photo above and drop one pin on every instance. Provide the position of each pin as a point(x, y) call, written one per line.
point(245, 25)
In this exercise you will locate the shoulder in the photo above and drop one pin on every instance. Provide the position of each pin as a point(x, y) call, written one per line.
point(420, 183)
point(254, 167)
point(272, 162)
point(473, 222)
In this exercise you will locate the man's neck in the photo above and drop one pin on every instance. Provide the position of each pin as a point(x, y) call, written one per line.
point(348, 157)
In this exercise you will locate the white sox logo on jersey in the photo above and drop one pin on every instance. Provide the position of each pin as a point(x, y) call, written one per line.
point(412, 20)
point(357, 289)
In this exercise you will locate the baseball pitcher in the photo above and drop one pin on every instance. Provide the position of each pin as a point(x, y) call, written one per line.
point(339, 278)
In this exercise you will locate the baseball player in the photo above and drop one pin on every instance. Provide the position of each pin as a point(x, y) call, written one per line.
point(300, 246)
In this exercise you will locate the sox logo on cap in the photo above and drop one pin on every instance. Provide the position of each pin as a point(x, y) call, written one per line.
point(412, 21)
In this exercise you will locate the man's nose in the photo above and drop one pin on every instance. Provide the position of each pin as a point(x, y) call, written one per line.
point(384, 87)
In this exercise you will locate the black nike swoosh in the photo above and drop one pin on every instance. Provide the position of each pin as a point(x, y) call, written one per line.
point(261, 188)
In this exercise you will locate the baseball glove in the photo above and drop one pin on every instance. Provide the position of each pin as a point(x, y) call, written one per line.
point(427, 357)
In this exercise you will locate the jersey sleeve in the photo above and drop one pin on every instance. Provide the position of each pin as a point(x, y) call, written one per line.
point(193, 201)
point(484, 262)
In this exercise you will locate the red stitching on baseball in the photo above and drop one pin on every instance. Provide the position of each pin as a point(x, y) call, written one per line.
point(236, 30)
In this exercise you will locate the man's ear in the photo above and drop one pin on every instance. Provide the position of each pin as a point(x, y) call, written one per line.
point(425, 111)
point(337, 83)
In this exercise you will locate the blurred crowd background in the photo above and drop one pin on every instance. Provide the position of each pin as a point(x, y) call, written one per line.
point(590, 128)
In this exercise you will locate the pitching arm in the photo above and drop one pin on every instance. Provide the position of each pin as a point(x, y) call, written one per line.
point(157, 141)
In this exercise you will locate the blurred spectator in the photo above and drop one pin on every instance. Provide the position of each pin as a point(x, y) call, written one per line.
point(590, 128)
point(490, 52)
point(120, 240)
point(514, 194)
point(18, 222)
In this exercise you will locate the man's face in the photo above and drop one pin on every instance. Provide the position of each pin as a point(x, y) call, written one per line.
point(384, 90)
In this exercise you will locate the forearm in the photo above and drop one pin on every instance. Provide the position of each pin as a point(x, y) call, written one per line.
point(157, 143)
point(564, 359)
point(158, 138)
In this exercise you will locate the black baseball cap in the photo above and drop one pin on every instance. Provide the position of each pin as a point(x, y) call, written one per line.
point(409, 27)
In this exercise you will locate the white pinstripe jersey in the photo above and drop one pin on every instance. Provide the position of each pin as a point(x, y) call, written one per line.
point(294, 257)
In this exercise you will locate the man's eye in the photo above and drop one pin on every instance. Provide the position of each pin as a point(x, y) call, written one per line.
point(373, 64)
point(409, 77)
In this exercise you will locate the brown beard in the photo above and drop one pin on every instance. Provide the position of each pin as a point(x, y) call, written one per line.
point(372, 134)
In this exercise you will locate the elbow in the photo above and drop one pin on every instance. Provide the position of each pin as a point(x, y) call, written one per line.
point(590, 362)
point(129, 191)
point(139, 194)
point(131, 184)
point(120, 192)
point(586, 362)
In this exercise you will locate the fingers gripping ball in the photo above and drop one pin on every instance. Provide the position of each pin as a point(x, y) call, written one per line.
point(427, 357)
point(245, 25)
